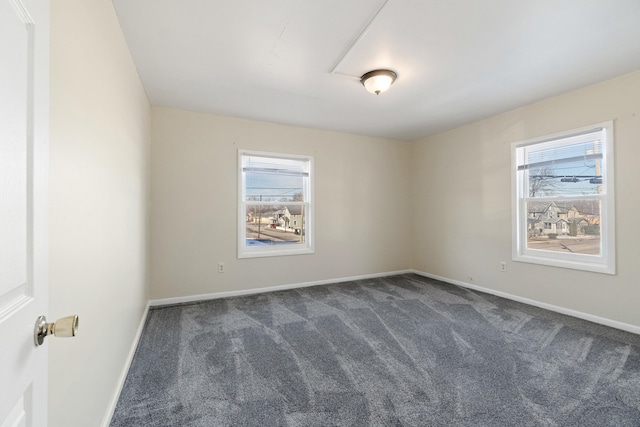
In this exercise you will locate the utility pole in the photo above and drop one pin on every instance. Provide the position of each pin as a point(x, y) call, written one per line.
point(302, 225)
point(259, 217)
point(598, 167)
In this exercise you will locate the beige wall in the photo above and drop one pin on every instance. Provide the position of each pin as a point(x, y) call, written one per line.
point(100, 125)
point(362, 195)
point(462, 202)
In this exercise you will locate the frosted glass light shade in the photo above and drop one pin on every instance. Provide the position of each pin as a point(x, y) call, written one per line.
point(378, 81)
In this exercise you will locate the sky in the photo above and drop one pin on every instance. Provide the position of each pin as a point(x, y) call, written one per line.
point(275, 179)
point(582, 169)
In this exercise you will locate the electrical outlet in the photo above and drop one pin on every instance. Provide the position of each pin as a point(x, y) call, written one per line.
point(220, 267)
point(503, 267)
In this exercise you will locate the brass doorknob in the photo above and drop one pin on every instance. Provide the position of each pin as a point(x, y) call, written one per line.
point(65, 327)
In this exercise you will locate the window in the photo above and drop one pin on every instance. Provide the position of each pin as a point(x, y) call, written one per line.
point(563, 202)
point(275, 213)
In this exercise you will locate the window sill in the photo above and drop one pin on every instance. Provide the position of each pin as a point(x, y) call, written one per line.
point(561, 263)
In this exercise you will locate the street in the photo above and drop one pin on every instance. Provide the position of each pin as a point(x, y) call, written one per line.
point(589, 245)
point(275, 234)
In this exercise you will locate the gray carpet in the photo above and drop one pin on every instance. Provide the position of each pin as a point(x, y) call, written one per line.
point(394, 351)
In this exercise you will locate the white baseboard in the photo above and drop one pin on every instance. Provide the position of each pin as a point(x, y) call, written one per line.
point(216, 295)
point(562, 310)
point(125, 370)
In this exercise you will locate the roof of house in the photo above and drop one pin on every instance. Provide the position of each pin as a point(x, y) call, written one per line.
point(584, 207)
point(295, 210)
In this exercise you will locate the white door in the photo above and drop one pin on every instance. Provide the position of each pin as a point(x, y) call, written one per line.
point(24, 129)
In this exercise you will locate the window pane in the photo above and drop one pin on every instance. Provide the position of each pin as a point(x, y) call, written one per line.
point(563, 199)
point(277, 224)
point(564, 226)
point(274, 179)
point(273, 188)
point(554, 152)
point(559, 168)
point(275, 213)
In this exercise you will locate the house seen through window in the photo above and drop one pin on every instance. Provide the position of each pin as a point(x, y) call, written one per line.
point(563, 200)
point(275, 209)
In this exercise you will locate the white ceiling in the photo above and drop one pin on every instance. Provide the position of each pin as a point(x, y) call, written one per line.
point(457, 60)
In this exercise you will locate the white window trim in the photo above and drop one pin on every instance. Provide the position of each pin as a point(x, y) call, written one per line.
point(606, 263)
point(278, 250)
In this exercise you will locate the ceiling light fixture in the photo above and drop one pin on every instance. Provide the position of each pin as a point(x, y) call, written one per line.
point(378, 81)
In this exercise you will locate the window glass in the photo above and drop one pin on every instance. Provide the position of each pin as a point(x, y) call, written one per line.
point(275, 204)
point(563, 204)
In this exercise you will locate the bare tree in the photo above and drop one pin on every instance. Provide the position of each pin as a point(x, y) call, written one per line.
point(542, 182)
